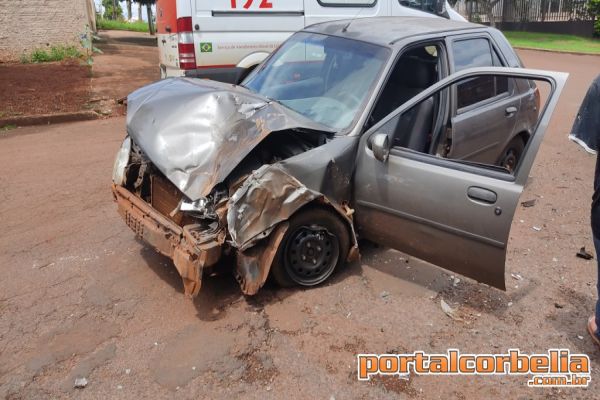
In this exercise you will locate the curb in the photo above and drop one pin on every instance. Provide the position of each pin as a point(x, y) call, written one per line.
point(575, 53)
point(45, 119)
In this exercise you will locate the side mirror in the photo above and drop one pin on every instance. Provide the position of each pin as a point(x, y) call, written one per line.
point(380, 144)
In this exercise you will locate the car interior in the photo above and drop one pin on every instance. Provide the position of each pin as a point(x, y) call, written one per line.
point(415, 71)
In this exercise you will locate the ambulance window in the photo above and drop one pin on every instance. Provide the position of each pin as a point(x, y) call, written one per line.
point(347, 3)
point(302, 52)
point(424, 5)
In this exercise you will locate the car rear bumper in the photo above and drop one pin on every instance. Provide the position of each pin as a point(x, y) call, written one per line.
point(222, 74)
point(192, 248)
point(167, 71)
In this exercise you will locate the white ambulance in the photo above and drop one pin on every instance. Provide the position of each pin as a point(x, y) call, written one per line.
point(225, 39)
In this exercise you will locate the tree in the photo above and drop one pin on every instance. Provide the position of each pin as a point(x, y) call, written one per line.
point(129, 13)
point(594, 10)
point(488, 6)
point(112, 9)
point(148, 4)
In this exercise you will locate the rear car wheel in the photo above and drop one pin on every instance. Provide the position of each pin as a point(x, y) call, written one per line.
point(512, 155)
point(315, 244)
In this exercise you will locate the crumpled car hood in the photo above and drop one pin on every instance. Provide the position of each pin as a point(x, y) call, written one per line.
point(197, 131)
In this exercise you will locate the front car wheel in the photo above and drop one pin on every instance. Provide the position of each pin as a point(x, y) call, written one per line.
point(315, 244)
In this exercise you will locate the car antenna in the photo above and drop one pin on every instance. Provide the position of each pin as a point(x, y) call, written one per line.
point(345, 28)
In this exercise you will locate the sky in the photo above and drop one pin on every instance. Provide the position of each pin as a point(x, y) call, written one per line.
point(134, 9)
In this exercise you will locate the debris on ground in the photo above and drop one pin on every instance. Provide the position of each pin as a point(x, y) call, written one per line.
point(537, 228)
point(558, 305)
point(517, 277)
point(583, 253)
point(528, 203)
point(449, 311)
point(80, 383)
point(384, 295)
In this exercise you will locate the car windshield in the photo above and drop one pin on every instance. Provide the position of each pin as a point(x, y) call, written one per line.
point(324, 78)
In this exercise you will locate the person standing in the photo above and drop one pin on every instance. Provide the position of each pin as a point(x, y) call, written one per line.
point(586, 133)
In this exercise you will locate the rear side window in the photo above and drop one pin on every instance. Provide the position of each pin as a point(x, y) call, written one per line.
point(472, 53)
point(423, 5)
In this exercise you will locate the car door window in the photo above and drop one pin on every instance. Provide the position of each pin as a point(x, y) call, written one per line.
point(485, 136)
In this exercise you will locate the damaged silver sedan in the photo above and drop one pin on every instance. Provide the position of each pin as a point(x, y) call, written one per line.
point(279, 176)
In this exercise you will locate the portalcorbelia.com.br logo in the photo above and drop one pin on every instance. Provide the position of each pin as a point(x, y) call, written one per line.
point(556, 368)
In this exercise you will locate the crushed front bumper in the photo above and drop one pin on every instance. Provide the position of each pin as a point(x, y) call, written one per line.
point(191, 247)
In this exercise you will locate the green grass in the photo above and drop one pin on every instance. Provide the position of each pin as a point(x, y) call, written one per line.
point(54, 53)
point(139, 26)
point(554, 42)
point(7, 128)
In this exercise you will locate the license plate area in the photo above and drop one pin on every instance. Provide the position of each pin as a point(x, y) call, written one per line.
point(134, 224)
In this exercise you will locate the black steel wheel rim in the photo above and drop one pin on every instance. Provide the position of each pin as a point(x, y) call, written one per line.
point(311, 254)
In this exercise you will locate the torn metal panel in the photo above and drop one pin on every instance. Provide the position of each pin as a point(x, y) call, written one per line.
point(268, 197)
point(326, 169)
point(254, 264)
point(197, 131)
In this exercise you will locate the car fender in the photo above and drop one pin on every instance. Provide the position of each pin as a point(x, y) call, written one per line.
point(257, 221)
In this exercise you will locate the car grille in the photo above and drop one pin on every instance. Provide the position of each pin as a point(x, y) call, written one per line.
point(165, 198)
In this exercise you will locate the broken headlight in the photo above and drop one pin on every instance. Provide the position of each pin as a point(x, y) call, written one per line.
point(198, 205)
point(121, 161)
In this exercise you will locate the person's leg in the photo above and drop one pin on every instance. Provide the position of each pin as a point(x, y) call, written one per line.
point(597, 246)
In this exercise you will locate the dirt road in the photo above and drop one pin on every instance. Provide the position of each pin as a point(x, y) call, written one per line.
point(80, 297)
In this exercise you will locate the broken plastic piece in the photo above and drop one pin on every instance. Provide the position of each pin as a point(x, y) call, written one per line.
point(80, 383)
point(449, 311)
point(583, 253)
point(528, 203)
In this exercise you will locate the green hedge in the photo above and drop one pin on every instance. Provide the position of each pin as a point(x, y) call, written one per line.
point(54, 53)
point(139, 26)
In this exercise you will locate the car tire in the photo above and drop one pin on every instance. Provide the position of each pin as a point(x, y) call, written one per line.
point(512, 154)
point(315, 244)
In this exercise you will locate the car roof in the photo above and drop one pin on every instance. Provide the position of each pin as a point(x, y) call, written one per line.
point(387, 30)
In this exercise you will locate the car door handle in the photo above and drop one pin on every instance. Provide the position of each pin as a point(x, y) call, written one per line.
point(482, 195)
point(510, 111)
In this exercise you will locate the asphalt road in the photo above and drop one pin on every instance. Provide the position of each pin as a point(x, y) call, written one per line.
point(79, 296)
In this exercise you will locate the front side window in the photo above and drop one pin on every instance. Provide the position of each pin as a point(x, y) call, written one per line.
point(417, 69)
point(325, 78)
point(493, 136)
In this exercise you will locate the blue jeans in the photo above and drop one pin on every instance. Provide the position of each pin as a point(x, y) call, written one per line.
point(597, 246)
